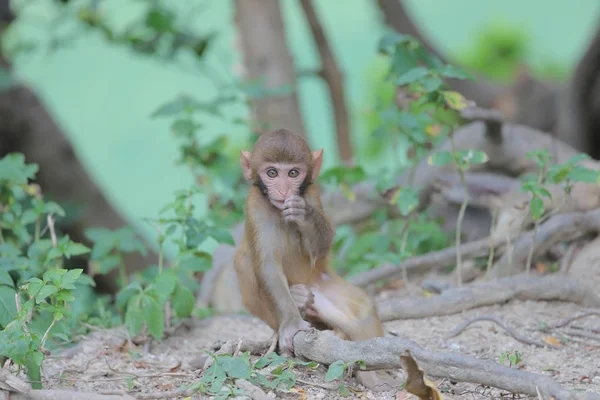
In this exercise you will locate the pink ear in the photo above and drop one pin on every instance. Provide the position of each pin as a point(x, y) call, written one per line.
point(245, 162)
point(317, 163)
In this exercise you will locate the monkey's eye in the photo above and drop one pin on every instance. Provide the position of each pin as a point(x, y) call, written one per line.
point(271, 173)
point(293, 173)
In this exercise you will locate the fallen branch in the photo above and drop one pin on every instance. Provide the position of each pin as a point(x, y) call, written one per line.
point(521, 287)
point(384, 353)
point(456, 331)
point(19, 390)
point(434, 259)
point(557, 229)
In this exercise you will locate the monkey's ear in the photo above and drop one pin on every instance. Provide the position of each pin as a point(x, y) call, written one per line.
point(245, 162)
point(317, 163)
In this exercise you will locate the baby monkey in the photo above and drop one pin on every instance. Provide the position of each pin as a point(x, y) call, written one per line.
point(282, 261)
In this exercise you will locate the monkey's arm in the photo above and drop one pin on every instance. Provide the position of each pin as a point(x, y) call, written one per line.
point(316, 230)
point(272, 278)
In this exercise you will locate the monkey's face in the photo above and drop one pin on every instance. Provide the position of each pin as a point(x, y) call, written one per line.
point(281, 180)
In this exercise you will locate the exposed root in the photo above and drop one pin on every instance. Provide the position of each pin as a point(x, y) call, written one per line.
point(452, 301)
point(567, 321)
point(456, 331)
point(384, 353)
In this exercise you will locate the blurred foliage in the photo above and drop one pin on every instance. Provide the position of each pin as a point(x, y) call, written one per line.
point(500, 48)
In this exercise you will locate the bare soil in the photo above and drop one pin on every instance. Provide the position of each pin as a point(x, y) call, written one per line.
point(102, 361)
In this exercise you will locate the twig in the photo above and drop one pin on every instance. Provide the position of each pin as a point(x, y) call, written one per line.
point(317, 384)
point(456, 331)
point(567, 321)
point(567, 259)
point(332, 75)
point(452, 301)
point(384, 353)
point(50, 220)
point(253, 391)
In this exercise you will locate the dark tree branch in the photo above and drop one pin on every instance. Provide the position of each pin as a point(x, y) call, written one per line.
point(333, 76)
point(268, 59)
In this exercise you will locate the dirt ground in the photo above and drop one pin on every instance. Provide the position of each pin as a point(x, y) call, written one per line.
point(100, 363)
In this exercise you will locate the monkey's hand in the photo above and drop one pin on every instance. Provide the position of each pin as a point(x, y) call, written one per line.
point(287, 333)
point(294, 209)
point(304, 299)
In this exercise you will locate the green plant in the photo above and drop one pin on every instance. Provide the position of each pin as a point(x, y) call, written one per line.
point(513, 356)
point(36, 291)
point(219, 378)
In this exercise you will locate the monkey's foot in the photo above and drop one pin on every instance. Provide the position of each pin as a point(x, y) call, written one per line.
point(378, 380)
point(304, 299)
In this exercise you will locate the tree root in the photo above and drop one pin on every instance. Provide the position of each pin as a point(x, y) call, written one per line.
point(558, 228)
point(384, 353)
point(492, 318)
point(19, 390)
point(440, 258)
point(452, 301)
point(567, 321)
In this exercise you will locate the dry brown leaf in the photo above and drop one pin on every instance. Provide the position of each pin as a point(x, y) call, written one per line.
point(140, 364)
point(402, 395)
point(585, 378)
point(551, 340)
point(416, 383)
point(175, 368)
point(165, 386)
point(590, 348)
point(541, 267)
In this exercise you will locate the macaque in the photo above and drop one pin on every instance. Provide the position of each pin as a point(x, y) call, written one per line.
point(282, 260)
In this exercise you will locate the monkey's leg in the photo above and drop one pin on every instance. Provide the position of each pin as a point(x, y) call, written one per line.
point(351, 312)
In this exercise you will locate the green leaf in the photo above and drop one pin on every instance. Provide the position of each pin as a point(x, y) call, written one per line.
point(335, 371)
point(34, 286)
point(392, 40)
point(180, 104)
point(450, 71)
point(76, 249)
point(134, 320)
point(70, 277)
point(199, 262)
point(236, 368)
point(412, 75)
point(164, 285)
point(85, 279)
point(9, 250)
point(153, 316)
point(28, 217)
point(53, 208)
point(45, 291)
point(408, 200)
point(6, 279)
point(13, 169)
point(33, 367)
point(8, 308)
point(183, 301)
point(474, 156)
point(64, 295)
point(582, 174)
point(536, 207)
point(431, 83)
point(454, 100)
point(184, 127)
point(440, 158)
point(222, 236)
point(272, 359)
point(54, 275)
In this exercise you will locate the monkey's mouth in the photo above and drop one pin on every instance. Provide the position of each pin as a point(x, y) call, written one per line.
point(277, 203)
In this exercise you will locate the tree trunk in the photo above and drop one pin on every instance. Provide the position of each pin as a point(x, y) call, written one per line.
point(267, 59)
point(580, 123)
point(27, 127)
point(333, 76)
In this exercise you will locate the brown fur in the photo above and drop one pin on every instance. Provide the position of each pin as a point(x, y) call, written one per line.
point(301, 253)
